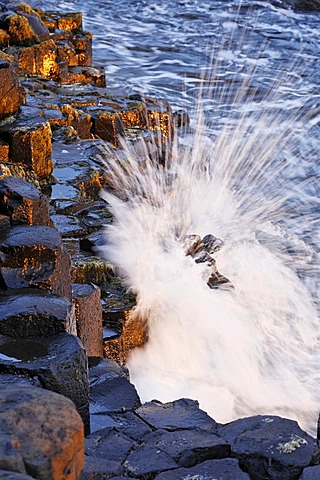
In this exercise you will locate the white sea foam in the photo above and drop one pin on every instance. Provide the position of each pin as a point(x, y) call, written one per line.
point(241, 351)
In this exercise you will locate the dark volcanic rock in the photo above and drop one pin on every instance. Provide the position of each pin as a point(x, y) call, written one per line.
point(100, 469)
point(113, 395)
point(33, 256)
point(106, 124)
point(189, 447)
point(6, 475)
point(108, 444)
point(180, 414)
point(127, 423)
point(270, 447)
point(41, 434)
point(10, 379)
point(227, 469)
point(35, 315)
point(311, 473)
point(306, 5)
point(58, 362)
point(86, 299)
point(145, 461)
point(23, 202)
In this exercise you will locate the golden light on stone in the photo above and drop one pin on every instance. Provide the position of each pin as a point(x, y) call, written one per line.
point(134, 335)
point(70, 21)
point(161, 121)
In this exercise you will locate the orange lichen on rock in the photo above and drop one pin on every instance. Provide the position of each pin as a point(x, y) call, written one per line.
point(44, 430)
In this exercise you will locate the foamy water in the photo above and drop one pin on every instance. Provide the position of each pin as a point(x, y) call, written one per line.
point(247, 174)
point(250, 349)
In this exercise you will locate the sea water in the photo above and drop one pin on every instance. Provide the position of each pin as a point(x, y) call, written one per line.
point(248, 173)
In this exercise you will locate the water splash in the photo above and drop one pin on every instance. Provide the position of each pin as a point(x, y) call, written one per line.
point(252, 348)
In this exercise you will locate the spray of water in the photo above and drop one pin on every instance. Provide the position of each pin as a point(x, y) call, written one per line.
point(250, 348)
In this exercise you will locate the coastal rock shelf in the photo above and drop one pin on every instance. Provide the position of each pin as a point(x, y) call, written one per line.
point(63, 309)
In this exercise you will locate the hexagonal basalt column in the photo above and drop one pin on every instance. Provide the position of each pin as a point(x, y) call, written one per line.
point(38, 59)
point(34, 314)
point(23, 202)
point(9, 90)
point(88, 312)
point(58, 362)
point(33, 256)
point(41, 435)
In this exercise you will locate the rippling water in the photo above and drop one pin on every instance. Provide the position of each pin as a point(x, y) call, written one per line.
point(255, 349)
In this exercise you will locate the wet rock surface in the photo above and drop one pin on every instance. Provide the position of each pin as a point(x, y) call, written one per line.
point(202, 250)
point(50, 126)
point(180, 414)
point(183, 442)
point(23, 202)
point(58, 362)
point(35, 315)
point(211, 469)
point(271, 447)
point(33, 256)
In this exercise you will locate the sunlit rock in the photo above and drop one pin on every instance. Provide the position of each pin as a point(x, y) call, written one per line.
point(23, 202)
point(30, 144)
point(4, 38)
point(9, 89)
point(77, 119)
point(86, 299)
point(82, 42)
point(33, 256)
point(62, 21)
point(38, 59)
point(106, 125)
point(41, 434)
point(87, 269)
point(20, 30)
point(160, 116)
point(4, 151)
point(85, 75)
